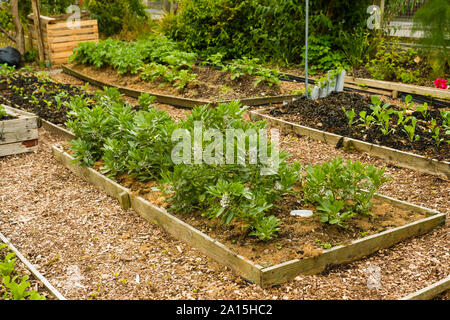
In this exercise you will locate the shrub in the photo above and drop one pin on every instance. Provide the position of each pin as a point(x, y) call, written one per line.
point(392, 63)
point(140, 143)
point(115, 15)
point(270, 29)
point(342, 189)
point(434, 19)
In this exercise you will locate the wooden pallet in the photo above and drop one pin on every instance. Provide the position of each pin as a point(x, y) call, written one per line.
point(18, 135)
point(60, 40)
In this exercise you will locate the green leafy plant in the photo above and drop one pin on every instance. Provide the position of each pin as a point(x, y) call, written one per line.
point(3, 113)
point(183, 78)
point(436, 133)
point(266, 228)
point(392, 63)
point(366, 119)
point(410, 129)
point(350, 115)
point(11, 288)
point(350, 182)
point(146, 100)
point(330, 211)
point(446, 121)
point(423, 109)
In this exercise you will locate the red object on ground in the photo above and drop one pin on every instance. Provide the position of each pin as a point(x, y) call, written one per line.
point(441, 83)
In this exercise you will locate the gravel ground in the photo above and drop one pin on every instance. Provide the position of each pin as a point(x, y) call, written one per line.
point(89, 248)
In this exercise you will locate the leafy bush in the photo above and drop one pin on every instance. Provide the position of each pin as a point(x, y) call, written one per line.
point(113, 15)
point(433, 17)
point(321, 55)
point(140, 143)
point(230, 191)
point(31, 55)
point(392, 63)
point(357, 46)
point(342, 189)
point(269, 29)
point(5, 16)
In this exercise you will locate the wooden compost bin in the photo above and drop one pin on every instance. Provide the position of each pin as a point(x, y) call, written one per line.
point(60, 40)
point(18, 135)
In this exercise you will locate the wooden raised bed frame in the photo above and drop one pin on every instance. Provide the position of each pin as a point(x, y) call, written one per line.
point(431, 291)
point(175, 100)
point(394, 156)
point(18, 135)
point(396, 87)
point(255, 273)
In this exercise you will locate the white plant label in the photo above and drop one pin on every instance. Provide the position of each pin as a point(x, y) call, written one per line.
point(374, 21)
point(374, 280)
point(74, 21)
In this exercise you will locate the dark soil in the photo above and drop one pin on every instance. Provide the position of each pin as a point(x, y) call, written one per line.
point(7, 117)
point(20, 88)
point(326, 114)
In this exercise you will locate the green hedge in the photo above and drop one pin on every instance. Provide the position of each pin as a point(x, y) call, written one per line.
point(273, 29)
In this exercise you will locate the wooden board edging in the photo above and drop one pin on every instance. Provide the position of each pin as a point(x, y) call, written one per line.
point(32, 269)
point(53, 128)
point(397, 157)
point(400, 87)
point(431, 291)
point(347, 253)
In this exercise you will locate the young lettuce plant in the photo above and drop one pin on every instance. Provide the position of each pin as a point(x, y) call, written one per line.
point(350, 115)
point(436, 131)
point(411, 129)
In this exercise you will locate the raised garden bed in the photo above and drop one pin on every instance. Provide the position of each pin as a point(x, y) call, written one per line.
point(325, 120)
point(221, 90)
point(254, 269)
point(18, 132)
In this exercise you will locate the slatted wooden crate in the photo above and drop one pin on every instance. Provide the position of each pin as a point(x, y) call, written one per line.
point(18, 135)
point(60, 40)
